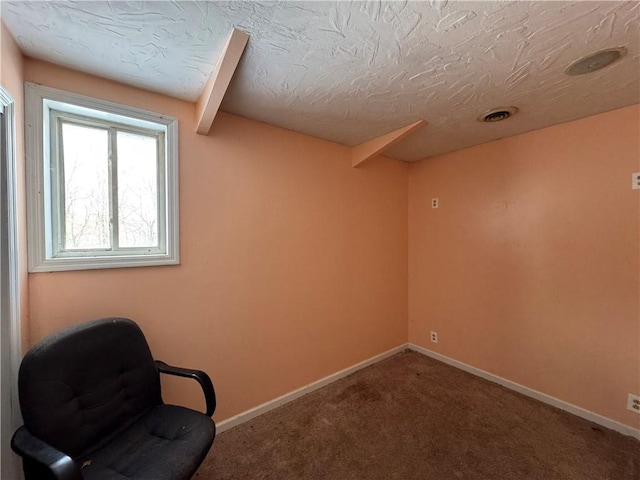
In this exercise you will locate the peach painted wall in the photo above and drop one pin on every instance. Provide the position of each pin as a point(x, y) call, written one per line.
point(11, 65)
point(530, 267)
point(294, 264)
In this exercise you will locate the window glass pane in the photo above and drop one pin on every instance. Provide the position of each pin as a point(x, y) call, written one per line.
point(137, 190)
point(86, 187)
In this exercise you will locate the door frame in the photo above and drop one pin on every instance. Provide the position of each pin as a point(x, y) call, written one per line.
point(12, 269)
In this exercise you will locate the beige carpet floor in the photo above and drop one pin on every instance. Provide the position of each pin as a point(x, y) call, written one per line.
point(411, 417)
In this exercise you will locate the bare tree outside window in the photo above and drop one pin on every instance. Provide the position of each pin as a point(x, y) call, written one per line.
point(89, 216)
point(86, 187)
point(137, 190)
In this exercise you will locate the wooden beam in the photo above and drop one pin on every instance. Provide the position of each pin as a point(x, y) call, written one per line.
point(363, 152)
point(213, 93)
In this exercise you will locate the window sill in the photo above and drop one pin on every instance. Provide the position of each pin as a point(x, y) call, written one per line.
point(62, 264)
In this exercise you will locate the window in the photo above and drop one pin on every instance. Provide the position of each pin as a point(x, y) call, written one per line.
point(102, 183)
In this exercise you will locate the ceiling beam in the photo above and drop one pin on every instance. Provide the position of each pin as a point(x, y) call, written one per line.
point(367, 150)
point(211, 97)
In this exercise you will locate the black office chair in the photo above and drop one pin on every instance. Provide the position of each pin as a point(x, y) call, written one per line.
point(92, 409)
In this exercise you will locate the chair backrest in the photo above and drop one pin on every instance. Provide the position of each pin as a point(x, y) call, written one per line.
point(81, 386)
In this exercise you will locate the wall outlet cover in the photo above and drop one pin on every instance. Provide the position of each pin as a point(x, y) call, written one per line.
point(633, 403)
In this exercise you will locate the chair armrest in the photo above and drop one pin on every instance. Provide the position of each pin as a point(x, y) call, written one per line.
point(32, 448)
point(201, 377)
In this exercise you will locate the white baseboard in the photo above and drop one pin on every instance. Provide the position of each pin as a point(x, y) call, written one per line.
point(542, 397)
point(529, 392)
point(288, 397)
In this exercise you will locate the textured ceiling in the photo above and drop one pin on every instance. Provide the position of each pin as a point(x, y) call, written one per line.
point(350, 71)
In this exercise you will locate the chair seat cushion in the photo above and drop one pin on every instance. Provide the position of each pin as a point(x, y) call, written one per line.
point(167, 443)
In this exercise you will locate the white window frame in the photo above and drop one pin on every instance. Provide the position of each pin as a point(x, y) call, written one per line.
point(45, 254)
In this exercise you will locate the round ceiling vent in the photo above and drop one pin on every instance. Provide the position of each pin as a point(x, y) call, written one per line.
point(595, 61)
point(497, 114)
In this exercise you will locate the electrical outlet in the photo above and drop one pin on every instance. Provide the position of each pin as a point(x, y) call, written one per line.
point(434, 203)
point(635, 181)
point(633, 403)
point(434, 336)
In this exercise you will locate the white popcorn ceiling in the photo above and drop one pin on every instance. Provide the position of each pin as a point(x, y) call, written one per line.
point(350, 71)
